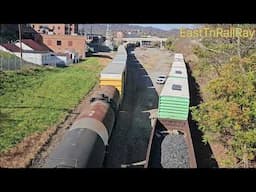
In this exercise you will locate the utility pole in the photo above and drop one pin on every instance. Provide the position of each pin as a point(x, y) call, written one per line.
point(68, 28)
point(20, 32)
point(108, 41)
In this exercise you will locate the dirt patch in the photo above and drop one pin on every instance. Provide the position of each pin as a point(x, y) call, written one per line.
point(21, 155)
point(104, 61)
point(221, 154)
point(153, 58)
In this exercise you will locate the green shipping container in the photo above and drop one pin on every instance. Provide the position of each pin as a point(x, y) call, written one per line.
point(174, 99)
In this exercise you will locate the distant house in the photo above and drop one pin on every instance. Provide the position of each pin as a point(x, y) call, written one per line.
point(67, 57)
point(41, 57)
point(36, 57)
point(9, 47)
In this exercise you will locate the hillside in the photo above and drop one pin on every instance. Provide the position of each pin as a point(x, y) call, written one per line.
point(134, 29)
point(224, 72)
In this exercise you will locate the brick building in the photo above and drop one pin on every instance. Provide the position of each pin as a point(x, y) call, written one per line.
point(56, 29)
point(64, 43)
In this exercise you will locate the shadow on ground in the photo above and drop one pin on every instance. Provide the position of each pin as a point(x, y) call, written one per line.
point(155, 159)
point(130, 137)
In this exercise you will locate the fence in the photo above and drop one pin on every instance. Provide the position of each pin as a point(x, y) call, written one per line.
point(10, 64)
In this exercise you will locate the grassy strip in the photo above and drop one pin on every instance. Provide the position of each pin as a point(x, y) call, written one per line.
point(33, 100)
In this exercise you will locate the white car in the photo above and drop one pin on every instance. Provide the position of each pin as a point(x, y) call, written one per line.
point(161, 79)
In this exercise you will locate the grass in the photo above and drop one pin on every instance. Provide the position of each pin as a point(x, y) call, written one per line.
point(36, 99)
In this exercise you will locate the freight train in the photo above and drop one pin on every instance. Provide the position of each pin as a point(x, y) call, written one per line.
point(84, 144)
point(115, 73)
point(171, 135)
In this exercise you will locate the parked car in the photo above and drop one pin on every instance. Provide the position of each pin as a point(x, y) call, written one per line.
point(161, 79)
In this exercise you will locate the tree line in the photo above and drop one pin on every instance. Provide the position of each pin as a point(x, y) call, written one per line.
point(228, 113)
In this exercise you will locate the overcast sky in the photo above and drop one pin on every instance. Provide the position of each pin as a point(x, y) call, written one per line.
point(167, 26)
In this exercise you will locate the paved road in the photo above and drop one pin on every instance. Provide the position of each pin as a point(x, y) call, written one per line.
point(130, 137)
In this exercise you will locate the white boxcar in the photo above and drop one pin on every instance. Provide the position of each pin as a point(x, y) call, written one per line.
point(178, 56)
point(179, 72)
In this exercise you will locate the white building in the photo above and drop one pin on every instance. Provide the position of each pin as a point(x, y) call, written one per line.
point(34, 53)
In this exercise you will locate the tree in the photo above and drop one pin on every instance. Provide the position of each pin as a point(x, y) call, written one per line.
point(219, 50)
point(229, 114)
point(169, 44)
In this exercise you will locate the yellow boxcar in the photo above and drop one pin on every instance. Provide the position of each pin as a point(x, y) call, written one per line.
point(115, 72)
point(114, 82)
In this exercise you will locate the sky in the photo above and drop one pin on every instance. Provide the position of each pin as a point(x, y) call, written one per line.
point(167, 26)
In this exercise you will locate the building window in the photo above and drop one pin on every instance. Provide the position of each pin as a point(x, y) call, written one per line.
point(58, 42)
point(70, 43)
point(49, 42)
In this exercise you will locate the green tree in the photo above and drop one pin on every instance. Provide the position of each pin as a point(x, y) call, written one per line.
point(229, 114)
point(169, 44)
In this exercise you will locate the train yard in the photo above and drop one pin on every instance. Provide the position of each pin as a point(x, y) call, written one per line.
point(131, 121)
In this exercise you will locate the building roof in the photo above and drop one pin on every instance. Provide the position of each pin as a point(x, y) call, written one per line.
point(34, 45)
point(61, 54)
point(77, 37)
point(32, 51)
point(11, 47)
